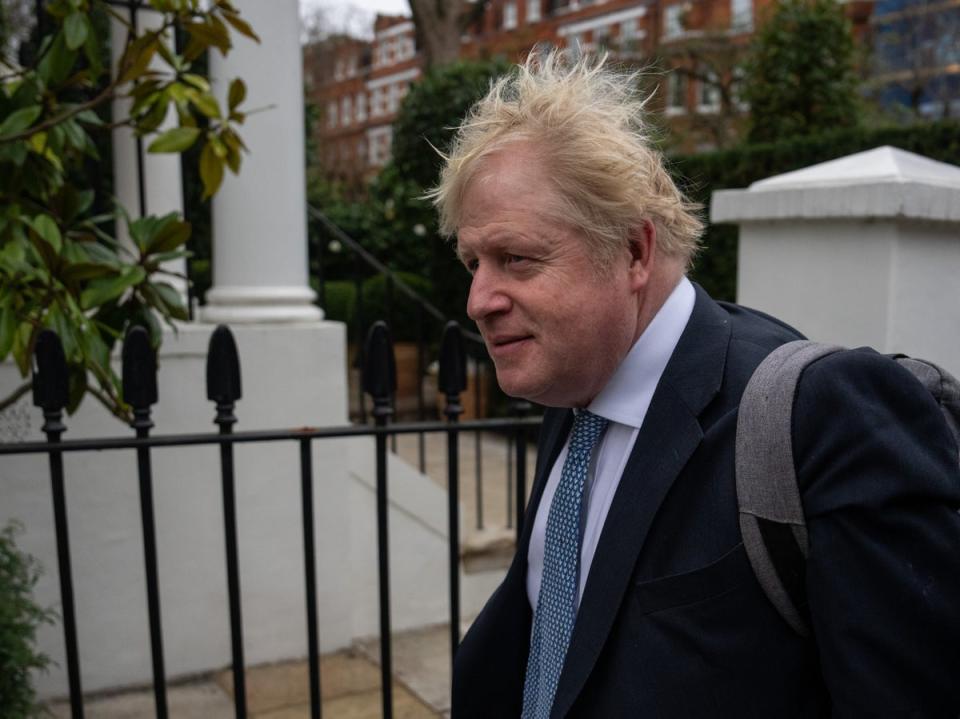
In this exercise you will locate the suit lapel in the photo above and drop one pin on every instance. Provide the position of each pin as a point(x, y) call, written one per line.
point(669, 435)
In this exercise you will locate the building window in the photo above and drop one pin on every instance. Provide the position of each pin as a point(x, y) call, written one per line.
point(673, 21)
point(533, 11)
point(376, 103)
point(601, 39)
point(629, 29)
point(575, 44)
point(736, 90)
point(346, 110)
point(332, 113)
point(361, 106)
point(741, 14)
point(708, 100)
point(509, 15)
point(676, 93)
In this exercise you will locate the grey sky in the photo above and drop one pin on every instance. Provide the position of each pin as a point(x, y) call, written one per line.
point(355, 16)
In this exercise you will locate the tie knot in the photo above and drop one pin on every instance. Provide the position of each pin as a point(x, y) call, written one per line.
point(587, 428)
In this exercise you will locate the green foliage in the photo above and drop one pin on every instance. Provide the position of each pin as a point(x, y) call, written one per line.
point(397, 309)
point(393, 222)
point(19, 619)
point(61, 264)
point(700, 175)
point(800, 77)
point(432, 112)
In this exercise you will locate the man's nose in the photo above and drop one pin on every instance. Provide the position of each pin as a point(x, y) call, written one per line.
point(488, 296)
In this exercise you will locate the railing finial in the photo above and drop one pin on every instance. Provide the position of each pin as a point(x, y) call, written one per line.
point(51, 389)
point(139, 361)
point(223, 374)
point(453, 368)
point(380, 369)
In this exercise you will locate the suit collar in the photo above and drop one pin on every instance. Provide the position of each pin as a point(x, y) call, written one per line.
point(670, 434)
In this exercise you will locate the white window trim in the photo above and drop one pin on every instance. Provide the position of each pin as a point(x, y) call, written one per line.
point(576, 28)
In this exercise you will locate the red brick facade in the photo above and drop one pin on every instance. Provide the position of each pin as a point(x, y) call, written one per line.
point(696, 41)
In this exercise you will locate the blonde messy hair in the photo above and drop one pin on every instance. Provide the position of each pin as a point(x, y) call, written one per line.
point(586, 123)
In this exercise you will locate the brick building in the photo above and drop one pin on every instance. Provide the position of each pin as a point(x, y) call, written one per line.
point(697, 44)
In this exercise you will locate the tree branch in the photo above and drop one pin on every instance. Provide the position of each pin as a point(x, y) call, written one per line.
point(12, 398)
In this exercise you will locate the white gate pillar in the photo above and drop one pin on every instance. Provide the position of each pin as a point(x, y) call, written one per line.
point(863, 250)
point(259, 217)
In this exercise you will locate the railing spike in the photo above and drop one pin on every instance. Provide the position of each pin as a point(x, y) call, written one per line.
point(139, 370)
point(379, 367)
point(51, 390)
point(223, 367)
point(453, 361)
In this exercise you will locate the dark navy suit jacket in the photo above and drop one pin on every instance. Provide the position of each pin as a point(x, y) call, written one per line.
point(673, 623)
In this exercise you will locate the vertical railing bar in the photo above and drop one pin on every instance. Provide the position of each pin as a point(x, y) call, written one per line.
point(224, 389)
point(383, 562)
point(53, 428)
point(453, 525)
point(310, 576)
point(380, 382)
point(145, 473)
point(139, 364)
point(421, 403)
point(51, 393)
point(233, 570)
point(521, 410)
point(477, 441)
point(452, 381)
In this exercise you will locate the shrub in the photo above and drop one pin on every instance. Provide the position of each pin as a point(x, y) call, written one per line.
point(401, 313)
point(19, 619)
point(700, 175)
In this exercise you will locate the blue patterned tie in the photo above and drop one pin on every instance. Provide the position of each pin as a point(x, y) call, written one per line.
point(557, 601)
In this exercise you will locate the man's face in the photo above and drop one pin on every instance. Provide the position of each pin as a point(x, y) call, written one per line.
point(555, 325)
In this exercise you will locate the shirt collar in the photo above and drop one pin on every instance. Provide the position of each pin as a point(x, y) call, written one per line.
point(627, 395)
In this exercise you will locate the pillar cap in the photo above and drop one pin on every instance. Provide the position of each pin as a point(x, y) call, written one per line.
point(885, 182)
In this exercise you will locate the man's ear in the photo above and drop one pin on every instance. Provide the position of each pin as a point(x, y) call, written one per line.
point(642, 242)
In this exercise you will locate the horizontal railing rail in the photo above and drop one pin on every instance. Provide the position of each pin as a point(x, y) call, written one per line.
point(50, 393)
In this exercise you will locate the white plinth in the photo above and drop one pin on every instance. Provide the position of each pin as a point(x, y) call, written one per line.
point(864, 250)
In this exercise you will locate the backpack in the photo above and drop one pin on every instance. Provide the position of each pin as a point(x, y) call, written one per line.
point(771, 513)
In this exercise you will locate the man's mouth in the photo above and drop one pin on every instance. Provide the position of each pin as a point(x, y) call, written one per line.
point(501, 344)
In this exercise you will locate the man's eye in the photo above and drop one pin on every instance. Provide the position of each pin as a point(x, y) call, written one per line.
point(471, 265)
point(515, 259)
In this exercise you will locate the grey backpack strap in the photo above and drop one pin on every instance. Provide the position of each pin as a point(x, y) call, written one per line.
point(942, 385)
point(771, 513)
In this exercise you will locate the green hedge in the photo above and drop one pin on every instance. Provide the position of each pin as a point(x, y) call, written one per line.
point(700, 175)
point(402, 315)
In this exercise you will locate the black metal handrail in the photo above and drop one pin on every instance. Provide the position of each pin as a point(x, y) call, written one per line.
point(224, 389)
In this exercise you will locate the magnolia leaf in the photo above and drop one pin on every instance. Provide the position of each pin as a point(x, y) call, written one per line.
point(209, 34)
point(22, 341)
point(75, 28)
point(211, 171)
point(101, 291)
point(136, 58)
point(169, 237)
point(177, 139)
point(198, 81)
point(89, 117)
point(20, 120)
point(172, 300)
point(240, 25)
point(236, 94)
point(45, 226)
point(205, 103)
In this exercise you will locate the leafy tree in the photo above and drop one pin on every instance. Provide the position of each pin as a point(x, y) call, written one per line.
point(61, 265)
point(800, 75)
point(19, 619)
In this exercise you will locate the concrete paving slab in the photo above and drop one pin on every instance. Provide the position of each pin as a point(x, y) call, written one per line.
point(203, 700)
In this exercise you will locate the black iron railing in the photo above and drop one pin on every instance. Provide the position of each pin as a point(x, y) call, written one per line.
point(399, 296)
point(224, 389)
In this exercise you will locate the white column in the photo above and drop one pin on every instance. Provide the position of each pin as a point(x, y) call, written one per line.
point(259, 217)
point(163, 185)
point(863, 250)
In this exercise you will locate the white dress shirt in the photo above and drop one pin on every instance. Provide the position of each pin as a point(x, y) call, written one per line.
point(623, 402)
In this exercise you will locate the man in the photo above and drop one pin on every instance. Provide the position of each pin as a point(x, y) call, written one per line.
point(631, 594)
